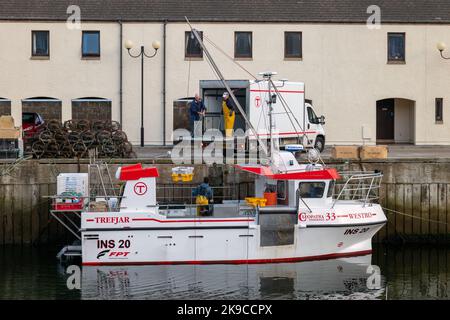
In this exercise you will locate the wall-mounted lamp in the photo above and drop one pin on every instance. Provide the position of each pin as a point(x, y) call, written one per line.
point(441, 46)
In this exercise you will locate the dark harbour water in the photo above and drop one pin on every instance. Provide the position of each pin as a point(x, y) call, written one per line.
point(407, 272)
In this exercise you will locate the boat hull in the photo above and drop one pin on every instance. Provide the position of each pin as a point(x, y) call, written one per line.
point(225, 245)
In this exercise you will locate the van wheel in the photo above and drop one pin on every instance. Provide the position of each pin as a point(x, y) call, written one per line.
point(319, 144)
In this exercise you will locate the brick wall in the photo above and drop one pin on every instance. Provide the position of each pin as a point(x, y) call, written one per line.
point(91, 110)
point(5, 108)
point(49, 110)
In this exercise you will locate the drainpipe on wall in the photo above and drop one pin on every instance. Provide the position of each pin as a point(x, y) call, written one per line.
point(164, 82)
point(121, 74)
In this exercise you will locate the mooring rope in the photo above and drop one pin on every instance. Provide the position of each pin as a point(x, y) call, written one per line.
point(414, 217)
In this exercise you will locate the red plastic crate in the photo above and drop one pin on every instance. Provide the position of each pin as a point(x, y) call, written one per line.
point(68, 206)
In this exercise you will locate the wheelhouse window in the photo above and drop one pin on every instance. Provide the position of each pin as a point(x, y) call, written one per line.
point(91, 44)
point(439, 113)
point(331, 188)
point(281, 190)
point(311, 190)
point(40, 44)
point(243, 45)
point(193, 48)
point(293, 45)
point(396, 47)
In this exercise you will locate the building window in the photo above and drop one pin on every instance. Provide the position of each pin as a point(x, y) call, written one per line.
point(243, 45)
point(40, 44)
point(293, 45)
point(396, 47)
point(439, 116)
point(91, 44)
point(193, 48)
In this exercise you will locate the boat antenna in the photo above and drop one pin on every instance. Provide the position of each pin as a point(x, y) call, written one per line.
point(225, 84)
point(274, 144)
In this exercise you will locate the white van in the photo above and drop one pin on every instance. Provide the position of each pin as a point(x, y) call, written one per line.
point(295, 120)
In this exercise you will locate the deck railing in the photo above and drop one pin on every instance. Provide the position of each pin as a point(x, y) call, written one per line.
point(167, 195)
point(358, 186)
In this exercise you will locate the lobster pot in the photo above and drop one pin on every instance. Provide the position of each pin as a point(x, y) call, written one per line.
point(73, 183)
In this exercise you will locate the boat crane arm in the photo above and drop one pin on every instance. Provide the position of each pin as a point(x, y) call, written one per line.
point(222, 79)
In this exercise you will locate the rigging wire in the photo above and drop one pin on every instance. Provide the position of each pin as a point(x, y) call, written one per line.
point(208, 56)
point(229, 57)
point(286, 108)
point(285, 105)
point(189, 78)
point(221, 123)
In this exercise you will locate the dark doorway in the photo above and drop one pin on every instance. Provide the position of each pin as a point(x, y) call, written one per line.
point(385, 120)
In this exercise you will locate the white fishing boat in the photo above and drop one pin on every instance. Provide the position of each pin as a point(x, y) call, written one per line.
point(312, 220)
point(309, 224)
point(308, 217)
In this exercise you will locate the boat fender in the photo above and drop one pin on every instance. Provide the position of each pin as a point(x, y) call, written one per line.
point(119, 170)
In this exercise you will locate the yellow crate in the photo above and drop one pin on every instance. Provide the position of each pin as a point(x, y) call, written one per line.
point(256, 201)
point(201, 200)
point(183, 177)
point(186, 177)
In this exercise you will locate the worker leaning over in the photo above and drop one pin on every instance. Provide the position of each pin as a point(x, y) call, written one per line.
point(204, 198)
point(196, 111)
point(229, 115)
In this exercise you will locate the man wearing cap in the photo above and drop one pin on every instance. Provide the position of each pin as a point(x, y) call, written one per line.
point(229, 115)
point(196, 111)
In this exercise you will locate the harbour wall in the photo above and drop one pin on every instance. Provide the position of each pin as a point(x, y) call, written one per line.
point(416, 193)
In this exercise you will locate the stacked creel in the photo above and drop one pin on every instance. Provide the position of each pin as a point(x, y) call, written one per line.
point(76, 138)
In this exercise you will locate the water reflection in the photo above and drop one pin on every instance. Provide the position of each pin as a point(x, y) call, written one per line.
point(331, 279)
point(415, 272)
point(32, 273)
point(407, 272)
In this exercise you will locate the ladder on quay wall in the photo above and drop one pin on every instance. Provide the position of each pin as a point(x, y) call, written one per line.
point(69, 253)
point(99, 169)
point(100, 181)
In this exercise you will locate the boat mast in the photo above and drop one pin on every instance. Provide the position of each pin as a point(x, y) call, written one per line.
point(274, 145)
point(271, 124)
point(225, 84)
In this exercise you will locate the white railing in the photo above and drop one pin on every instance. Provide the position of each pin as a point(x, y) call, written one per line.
point(359, 186)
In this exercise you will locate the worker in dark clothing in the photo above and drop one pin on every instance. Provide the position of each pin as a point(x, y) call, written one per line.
point(204, 195)
point(197, 110)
